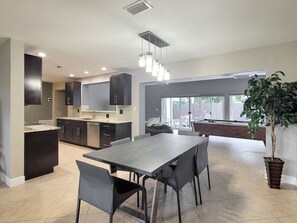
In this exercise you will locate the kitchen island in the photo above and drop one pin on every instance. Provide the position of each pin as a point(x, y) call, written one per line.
point(227, 128)
point(41, 150)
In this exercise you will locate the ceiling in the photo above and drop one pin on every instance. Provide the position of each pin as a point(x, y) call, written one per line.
point(88, 34)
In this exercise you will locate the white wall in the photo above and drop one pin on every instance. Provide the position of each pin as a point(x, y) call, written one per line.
point(271, 58)
point(12, 112)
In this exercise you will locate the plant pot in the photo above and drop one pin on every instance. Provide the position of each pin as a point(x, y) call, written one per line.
point(274, 169)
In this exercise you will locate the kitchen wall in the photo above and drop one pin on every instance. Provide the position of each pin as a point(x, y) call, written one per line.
point(220, 87)
point(11, 110)
point(34, 113)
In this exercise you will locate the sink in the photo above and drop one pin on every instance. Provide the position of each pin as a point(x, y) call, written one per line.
point(86, 118)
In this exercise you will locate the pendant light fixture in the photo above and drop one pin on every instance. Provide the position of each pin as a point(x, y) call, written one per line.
point(152, 64)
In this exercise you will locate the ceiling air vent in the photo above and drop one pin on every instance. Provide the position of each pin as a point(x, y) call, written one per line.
point(138, 7)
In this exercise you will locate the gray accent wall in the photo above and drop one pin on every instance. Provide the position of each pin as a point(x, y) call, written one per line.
point(34, 113)
point(221, 87)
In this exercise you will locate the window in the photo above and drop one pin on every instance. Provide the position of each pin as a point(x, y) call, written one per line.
point(236, 107)
point(178, 112)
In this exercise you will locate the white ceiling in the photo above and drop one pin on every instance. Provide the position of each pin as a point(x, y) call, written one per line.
point(88, 34)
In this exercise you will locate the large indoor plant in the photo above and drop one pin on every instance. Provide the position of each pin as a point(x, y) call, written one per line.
point(270, 102)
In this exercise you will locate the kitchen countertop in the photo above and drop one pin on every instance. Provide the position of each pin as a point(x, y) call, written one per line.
point(39, 128)
point(88, 119)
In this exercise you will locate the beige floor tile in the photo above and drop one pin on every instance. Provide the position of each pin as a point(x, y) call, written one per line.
point(213, 212)
point(34, 209)
point(271, 220)
point(118, 217)
point(7, 209)
point(247, 209)
point(288, 219)
point(33, 221)
point(170, 214)
point(69, 219)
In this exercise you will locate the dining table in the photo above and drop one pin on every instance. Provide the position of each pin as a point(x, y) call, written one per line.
point(147, 156)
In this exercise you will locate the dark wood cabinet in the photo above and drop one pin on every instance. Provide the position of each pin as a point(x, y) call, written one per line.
point(41, 153)
point(73, 131)
point(120, 89)
point(33, 82)
point(73, 93)
point(112, 132)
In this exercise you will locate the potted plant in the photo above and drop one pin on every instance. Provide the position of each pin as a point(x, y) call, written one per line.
point(271, 102)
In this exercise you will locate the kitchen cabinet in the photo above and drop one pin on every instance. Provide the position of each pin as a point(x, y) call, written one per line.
point(41, 153)
point(112, 132)
point(32, 79)
point(73, 93)
point(73, 131)
point(120, 89)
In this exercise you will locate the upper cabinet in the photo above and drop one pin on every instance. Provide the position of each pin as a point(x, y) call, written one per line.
point(33, 82)
point(120, 89)
point(73, 93)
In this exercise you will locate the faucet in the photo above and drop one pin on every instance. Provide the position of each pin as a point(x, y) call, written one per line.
point(93, 114)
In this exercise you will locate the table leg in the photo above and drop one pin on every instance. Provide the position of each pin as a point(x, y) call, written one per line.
point(155, 201)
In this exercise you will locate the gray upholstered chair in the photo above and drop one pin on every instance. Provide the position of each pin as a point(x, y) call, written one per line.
point(177, 176)
point(201, 164)
point(142, 136)
point(114, 169)
point(103, 191)
point(201, 159)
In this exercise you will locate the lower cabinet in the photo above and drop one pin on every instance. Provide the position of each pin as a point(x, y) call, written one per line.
point(73, 131)
point(112, 132)
point(41, 153)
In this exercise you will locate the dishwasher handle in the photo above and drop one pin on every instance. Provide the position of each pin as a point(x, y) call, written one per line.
point(93, 123)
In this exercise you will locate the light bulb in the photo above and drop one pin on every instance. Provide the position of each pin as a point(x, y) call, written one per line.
point(160, 77)
point(141, 60)
point(156, 66)
point(167, 75)
point(148, 62)
point(162, 69)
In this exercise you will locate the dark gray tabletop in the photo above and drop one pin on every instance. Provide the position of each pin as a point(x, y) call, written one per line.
point(147, 156)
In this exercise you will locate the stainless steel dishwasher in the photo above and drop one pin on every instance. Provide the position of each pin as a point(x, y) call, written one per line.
point(93, 134)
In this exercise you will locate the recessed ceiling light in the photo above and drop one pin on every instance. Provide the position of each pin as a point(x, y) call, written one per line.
point(86, 72)
point(41, 54)
point(71, 75)
point(103, 68)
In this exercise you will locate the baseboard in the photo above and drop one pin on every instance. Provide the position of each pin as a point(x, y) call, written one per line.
point(12, 182)
point(289, 180)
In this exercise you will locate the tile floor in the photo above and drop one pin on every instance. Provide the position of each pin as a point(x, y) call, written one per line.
point(239, 192)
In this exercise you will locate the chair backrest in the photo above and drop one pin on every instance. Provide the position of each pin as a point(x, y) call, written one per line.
point(142, 136)
point(188, 133)
point(202, 156)
point(95, 186)
point(120, 141)
point(184, 170)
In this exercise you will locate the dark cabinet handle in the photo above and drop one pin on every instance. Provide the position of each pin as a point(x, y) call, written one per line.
point(106, 134)
point(78, 131)
point(106, 126)
point(68, 101)
point(62, 129)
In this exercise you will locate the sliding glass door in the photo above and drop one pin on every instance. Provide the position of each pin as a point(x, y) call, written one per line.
point(179, 112)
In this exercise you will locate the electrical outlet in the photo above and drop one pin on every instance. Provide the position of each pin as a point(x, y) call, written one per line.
point(107, 115)
point(121, 111)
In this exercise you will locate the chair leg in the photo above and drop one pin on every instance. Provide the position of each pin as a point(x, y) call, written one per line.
point(195, 191)
point(137, 191)
point(130, 174)
point(143, 185)
point(134, 174)
point(178, 206)
point(165, 188)
point(208, 177)
point(110, 218)
point(144, 200)
point(198, 182)
point(77, 210)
